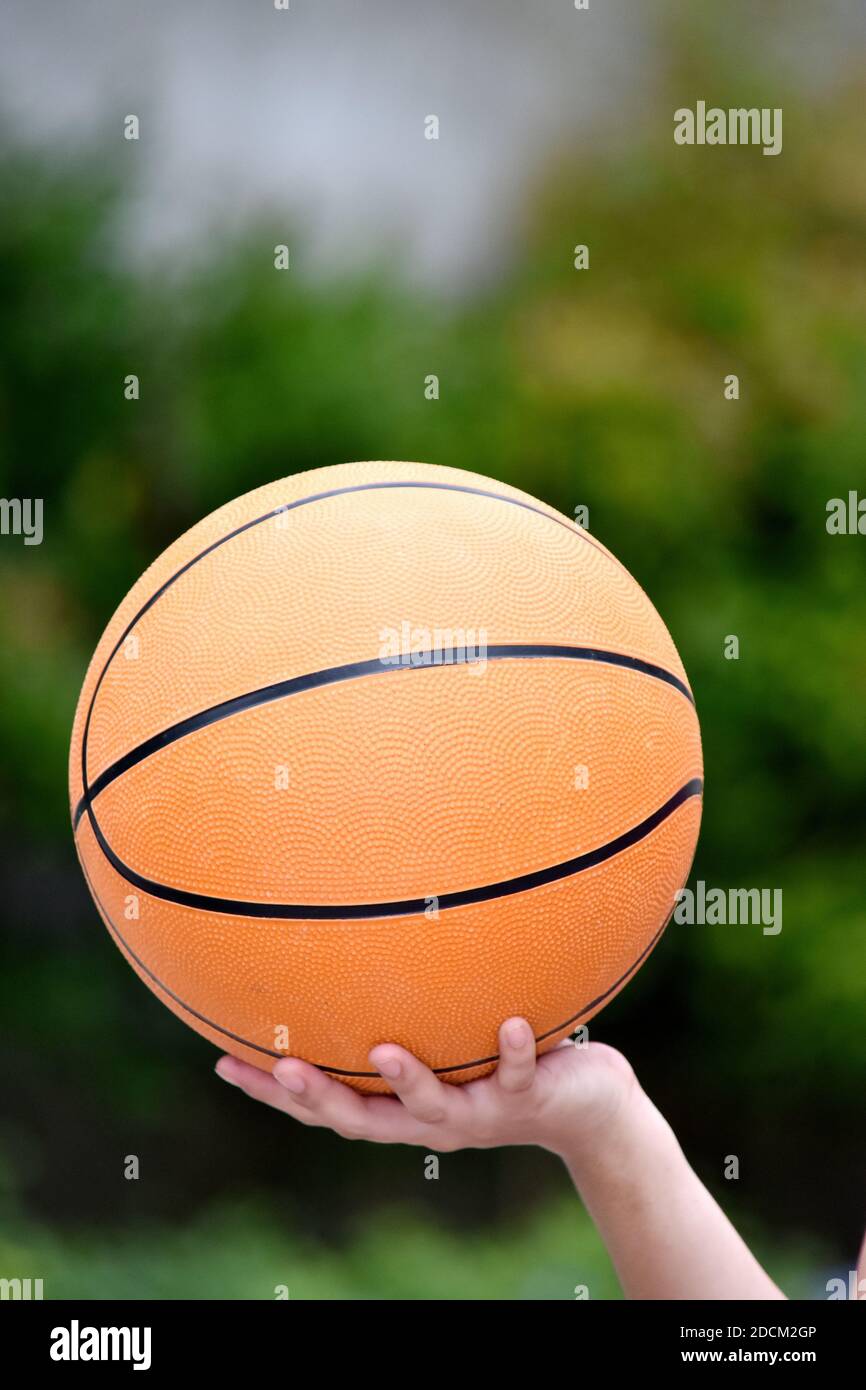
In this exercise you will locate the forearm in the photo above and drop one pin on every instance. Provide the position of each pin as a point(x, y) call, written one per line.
point(667, 1237)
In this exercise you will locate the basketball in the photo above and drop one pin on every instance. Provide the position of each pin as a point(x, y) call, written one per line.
point(385, 752)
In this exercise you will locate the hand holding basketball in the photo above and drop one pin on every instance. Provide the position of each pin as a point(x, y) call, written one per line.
point(569, 1095)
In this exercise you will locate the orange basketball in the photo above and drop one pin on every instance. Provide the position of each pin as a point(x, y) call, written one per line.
point(385, 752)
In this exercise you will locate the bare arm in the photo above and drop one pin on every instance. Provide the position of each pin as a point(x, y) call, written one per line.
point(665, 1234)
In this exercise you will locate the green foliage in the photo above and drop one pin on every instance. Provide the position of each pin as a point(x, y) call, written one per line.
point(240, 1252)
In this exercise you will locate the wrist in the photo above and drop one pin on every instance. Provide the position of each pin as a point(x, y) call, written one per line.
point(617, 1147)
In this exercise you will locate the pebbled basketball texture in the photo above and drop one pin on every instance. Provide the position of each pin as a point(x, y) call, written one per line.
point(385, 752)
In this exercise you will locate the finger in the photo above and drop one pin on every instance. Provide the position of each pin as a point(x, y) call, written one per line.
point(260, 1085)
point(516, 1069)
point(326, 1101)
point(425, 1097)
point(329, 1101)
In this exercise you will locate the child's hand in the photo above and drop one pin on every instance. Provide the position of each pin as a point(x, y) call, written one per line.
point(664, 1232)
point(568, 1094)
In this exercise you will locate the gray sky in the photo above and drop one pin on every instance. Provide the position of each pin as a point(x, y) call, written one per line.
point(320, 110)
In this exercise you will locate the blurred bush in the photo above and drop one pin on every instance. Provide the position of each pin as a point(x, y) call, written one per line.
point(236, 1252)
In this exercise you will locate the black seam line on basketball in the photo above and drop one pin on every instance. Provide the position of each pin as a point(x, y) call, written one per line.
point(574, 529)
point(409, 907)
point(279, 690)
point(342, 1071)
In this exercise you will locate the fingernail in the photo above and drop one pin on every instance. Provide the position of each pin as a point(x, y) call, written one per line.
point(292, 1081)
point(517, 1034)
point(390, 1068)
